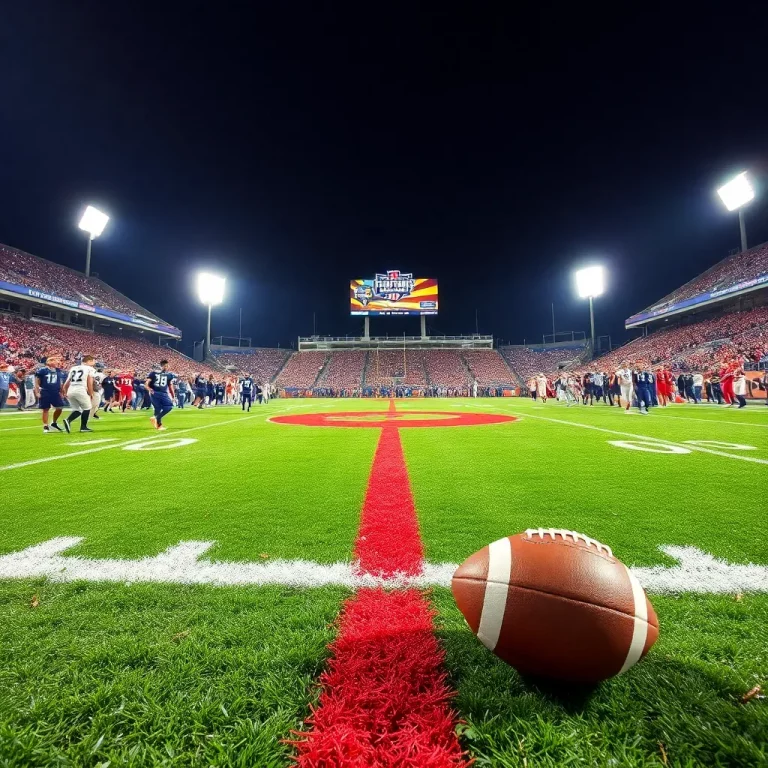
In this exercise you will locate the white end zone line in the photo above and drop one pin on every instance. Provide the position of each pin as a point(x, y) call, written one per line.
point(695, 571)
point(634, 436)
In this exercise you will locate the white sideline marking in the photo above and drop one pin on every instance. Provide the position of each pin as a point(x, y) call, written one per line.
point(121, 445)
point(696, 571)
point(15, 429)
point(644, 437)
point(660, 413)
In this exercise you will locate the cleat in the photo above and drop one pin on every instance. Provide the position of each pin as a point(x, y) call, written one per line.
point(86, 429)
point(56, 427)
point(46, 430)
point(95, 417)
point(161, 428)
point(66, 426)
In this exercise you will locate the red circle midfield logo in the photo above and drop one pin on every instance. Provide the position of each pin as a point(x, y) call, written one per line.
point(399, 419)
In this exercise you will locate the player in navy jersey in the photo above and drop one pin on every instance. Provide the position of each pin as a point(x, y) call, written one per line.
point(48, 384)
point(247, 386)
point(160, 384)
point(643, 382)
point(200, 383)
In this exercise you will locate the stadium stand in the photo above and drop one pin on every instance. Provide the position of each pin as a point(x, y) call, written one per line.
point(445, 368)
point(24, 342)
point(527, 362)
point(344, 370)
point(386, 365)
point(697, 346)
point(263, 363)
point(302, 370)
point(489, 368)
point(734, 270)
point(24, 269)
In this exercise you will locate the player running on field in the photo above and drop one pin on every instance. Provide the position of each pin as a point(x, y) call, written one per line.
point(78, 389)
point(160, 385)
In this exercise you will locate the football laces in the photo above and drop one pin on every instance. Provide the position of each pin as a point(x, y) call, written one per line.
point(577, 538)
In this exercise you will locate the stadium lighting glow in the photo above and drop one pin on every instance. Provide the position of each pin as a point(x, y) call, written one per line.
point(93, 221)
point(737, 192)
point(210, 288)
point(590, 282)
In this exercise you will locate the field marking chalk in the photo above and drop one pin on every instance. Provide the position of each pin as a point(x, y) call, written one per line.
point(695, 570)
point(634, 436)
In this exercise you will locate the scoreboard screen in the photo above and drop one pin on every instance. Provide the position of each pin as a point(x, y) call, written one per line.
point(393, 293)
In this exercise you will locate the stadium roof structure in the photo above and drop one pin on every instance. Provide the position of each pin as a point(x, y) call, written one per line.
point(31, 278)
point(735, 275)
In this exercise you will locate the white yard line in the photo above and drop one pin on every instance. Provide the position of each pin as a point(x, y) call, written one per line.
point(695, 571)
point(634, 436)
point(661, 413)
point(153, 436)
point(16, 429)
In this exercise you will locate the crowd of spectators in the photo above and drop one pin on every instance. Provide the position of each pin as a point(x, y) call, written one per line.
point(33, 272)
point(697, 346)
point(344, 372)
point(24, 343)
point(488, 368)
point(528, 362)
point(386, 365)
point(737, 268)
point(263, 363)
point(446, 368)
point(302, 370)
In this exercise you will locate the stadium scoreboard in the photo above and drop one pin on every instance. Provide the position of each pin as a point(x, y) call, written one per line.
point(393, 293)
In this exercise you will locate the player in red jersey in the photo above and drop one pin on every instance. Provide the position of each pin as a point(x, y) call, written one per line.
point(726, 382)
point(124, 382)
point(661, 386)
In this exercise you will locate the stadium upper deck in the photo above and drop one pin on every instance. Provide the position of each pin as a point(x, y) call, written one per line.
point(735, 275)
point(24, 277)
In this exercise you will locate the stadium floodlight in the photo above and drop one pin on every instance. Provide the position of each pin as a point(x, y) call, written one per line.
point(735, 195)
point(210, 290)
point(93, 222)
point(590, 282)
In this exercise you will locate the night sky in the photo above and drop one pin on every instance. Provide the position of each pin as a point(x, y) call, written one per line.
point(294, 146)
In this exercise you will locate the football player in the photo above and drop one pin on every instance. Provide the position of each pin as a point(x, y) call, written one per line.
point(160, 384)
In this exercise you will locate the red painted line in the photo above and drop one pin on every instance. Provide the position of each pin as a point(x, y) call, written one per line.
point(385, 700)
point(388, 539)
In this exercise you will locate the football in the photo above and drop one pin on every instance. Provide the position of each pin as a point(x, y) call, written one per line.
point(557, 604)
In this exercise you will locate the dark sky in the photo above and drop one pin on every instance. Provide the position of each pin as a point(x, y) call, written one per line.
point(294, 146)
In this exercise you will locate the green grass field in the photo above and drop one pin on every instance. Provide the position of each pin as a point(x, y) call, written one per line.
point(150, 673)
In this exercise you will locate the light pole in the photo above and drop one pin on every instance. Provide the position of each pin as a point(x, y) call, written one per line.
point(590, 283)
point(735, 195)
point(210, 290)
point(93, 222)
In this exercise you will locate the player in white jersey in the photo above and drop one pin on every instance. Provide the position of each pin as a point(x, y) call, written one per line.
point(78, 389)
point(98, 377)
point(624, 374)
